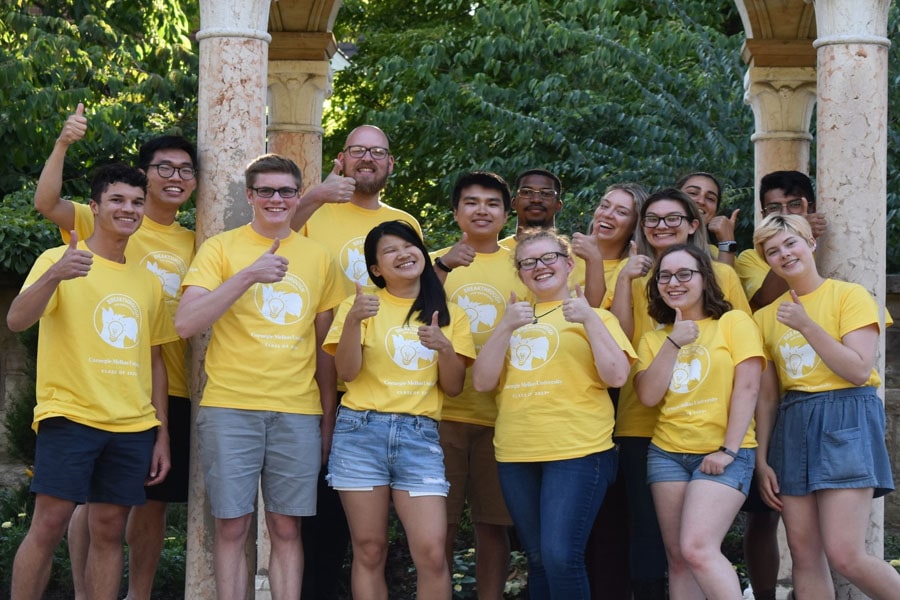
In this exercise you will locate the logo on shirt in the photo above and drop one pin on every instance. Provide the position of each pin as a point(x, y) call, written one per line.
point(405, 349)
point(282, 303)
point(353, 261)
point(797, 356)
point(690, 370)
point(533, 346)
point(482, 303)
point(117, 320)
point(169, 269)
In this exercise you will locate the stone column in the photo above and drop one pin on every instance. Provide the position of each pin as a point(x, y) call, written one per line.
point(230, 133)
point(782, 99)
point(852, 59)
point(297, 91)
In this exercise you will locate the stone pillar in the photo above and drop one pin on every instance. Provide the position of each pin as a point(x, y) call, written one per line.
point(297, 91)
point(782, 99)
point(852, 59)
point(230, 133)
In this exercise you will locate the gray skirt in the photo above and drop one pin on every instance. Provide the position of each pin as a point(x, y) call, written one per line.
point(830, 440)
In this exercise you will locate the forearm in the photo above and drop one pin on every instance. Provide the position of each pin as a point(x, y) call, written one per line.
point(28, 307)
point(310, 202)
point(348, 355)
point(326, 374)
point(594, 282)
point(772, 287)
point(766, 412)
point(200, 308)
point(623, 307)
point(488, 367)
point(451, 371)
point(743, 402)
point(652, 383)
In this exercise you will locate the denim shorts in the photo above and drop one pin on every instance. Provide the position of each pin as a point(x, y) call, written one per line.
point(830, 440)
point(372, 448)
point(679, 466)
point(243, 450)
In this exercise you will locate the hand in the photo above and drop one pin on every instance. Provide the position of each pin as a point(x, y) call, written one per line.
point(723, 227)
point(336, 187)
point(461, 254)
point(270, 267)
point(517, 313)
point(715, 463)
point(585, 247)
point(74, 262)
point(364, 305)
point(684, 332)
point(74, 128)
point(432, 337)
point(792, 313)
point(768, 486)
point(161, 462)
point(638, 265)
point(577, 309)
point(817, 222)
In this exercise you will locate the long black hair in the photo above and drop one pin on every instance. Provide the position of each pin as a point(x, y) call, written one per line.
point(431, 296)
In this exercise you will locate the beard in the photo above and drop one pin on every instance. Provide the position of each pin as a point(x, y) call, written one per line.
point(374, 185)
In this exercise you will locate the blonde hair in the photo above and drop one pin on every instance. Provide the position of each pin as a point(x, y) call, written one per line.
point(536, 233)
point(775, 224)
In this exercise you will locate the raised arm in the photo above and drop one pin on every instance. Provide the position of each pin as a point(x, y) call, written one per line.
point(610, 360)
point(652, 383)
point(49, 187)
point(585, 247)
point(335, 188)
point(488, 366)
point(451, 366)
point(348, 355)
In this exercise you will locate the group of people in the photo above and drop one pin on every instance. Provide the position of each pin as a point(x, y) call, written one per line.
point(598, 393)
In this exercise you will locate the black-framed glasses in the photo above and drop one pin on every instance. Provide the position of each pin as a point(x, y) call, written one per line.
point(652, 221)
point(544, 194)
point(166, 170)
point(376, 152)
point(527, 264)
point(682, 275)
point(268, 192)
point(793, 207)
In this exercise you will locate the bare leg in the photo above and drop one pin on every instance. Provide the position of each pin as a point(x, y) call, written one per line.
point(230, 559)
point(811, 576)
point(103, 572)
point(286, 560)
point(424, 519)
point(79, 540)
point(367, 515)
point(668, 498)
point(491, 560)
point(761, 552)
point(34, 558)
point(145, 534)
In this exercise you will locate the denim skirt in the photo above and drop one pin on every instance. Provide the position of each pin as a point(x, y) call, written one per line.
point(830, 440)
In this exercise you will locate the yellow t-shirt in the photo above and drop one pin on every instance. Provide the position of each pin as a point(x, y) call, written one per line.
point(633, 418)
point(752, 270)
point(839, 307)
point(482, 290)
point(552, 403)
point(166, 251)
point(94, 364)
point(342, 228)
point(399, 374)
point(693, 415)
point(262, 353)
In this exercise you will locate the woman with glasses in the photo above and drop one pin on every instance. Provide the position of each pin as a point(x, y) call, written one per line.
point(399, 351)
point(822, 456)
point(668, 218)
point(552, 363)
point(702, 369)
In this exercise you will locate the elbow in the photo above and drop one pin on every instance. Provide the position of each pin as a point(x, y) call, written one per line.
point(184, 327)
point(618, 379)
point(859, 379)
point(453, 390)
point(15, 325)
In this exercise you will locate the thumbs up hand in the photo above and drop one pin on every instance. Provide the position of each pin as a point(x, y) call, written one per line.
point(638, 265)
point(684, 331)
point(792, 313)
point(364, 305)
point(432, 337)
point(270, 267)
point(577, 309)
point(74, 262)
point(461, 254)
point(74, 128)
point(518, 313)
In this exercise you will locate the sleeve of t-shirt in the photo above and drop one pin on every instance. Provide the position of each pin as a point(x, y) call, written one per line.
point(206, 269)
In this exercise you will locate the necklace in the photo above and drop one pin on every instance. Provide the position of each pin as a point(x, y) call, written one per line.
point(538, 316)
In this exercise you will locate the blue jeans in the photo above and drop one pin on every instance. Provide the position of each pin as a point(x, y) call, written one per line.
point(646, 551)
point(553, 505)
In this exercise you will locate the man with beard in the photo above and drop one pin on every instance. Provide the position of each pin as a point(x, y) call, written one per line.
point(341, 225)
point(537, 199)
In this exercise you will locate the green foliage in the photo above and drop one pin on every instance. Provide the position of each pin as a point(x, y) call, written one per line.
point(24, 233)
point(20, 437)
point(893, 143)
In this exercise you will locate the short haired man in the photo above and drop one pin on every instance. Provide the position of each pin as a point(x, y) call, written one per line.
point(268, 294)
point(481, 282)
point(165, 248)
point(536, 199)
point(101, 405)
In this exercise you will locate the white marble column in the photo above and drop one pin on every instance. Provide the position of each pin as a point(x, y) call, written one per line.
point(852, 65)
point(230, 133)
point(782, 99)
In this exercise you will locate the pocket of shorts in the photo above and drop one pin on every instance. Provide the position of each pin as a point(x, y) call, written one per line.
point(843, 456)
point(430, 434)
point(346, 423)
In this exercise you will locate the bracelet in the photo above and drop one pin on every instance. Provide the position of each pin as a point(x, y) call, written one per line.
point(441, 265)
point(725, 450)
point(674, 343)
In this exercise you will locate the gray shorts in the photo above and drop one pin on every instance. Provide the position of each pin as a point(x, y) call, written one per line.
point(238, 448)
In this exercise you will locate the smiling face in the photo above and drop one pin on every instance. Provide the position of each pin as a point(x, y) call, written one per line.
point(684, 295)
point(480, 212)
point(173, 190)
point(120, 210)
point(664, 235)
point(398, 261)
point(546, 282)
point(790, 255)
point(371, 174)
point(537, 210)
point(615, 218)
point(272, 216)
point(705, 194)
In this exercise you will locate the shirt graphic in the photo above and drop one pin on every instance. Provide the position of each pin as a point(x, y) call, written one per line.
point(481, 304)
point(405, 349)
point(798, 356)
point(169, 268)
point(282, 303)
point(533, 346)
point(690, 370)
point(353, 261)
point(117, 320)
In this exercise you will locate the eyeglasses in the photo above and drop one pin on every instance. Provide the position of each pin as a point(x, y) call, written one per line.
point(527, 264)
point(268, 192)
point(544, 194)
point(653, 221)
point(165, 171)
point(376, 152)
point(682, 275)
point(794, 207)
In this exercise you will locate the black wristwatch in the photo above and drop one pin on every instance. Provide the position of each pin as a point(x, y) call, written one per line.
point(730, 453)
point(441, 265)
point(727, 247)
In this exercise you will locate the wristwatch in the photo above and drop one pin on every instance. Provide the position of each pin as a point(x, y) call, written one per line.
point(727, 246)
point(442, 265)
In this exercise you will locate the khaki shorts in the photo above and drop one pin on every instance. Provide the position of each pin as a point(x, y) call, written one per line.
point(471, 469)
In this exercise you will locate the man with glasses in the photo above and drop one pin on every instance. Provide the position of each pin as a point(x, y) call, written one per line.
point(537, 199)
point(268, 294)
point(165, 248)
